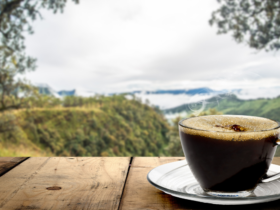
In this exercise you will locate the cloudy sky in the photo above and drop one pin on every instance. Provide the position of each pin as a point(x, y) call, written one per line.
point(114, 46)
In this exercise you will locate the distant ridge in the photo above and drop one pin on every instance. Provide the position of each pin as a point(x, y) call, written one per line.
point(209, 103)
point(45, 89)
point(67, 92)
point(231, 104)
point(169, 99)
point(202, 90)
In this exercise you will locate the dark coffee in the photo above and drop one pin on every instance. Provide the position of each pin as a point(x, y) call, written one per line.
point(228, 166)
point(231, 161)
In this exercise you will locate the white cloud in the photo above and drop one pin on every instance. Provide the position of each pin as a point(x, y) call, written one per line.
point(167, 101)
point(113, 46)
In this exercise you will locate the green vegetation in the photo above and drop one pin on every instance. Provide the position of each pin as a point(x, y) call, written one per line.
point(255, 23)
point(230, 104)
point(15, 23)
point(97, 126)
point(107, 126)
point(269, 108)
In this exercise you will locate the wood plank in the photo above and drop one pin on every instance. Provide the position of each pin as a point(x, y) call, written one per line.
point(140, 194)
point(65, 183)
point(7, 163)
point(148, 162)
point(276, 160)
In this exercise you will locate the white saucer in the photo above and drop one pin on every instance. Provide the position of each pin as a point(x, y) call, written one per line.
point(177, 180)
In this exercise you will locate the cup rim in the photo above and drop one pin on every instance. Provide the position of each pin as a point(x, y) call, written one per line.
point(180, 124)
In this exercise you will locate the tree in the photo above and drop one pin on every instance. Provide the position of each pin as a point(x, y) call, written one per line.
point(15, 18)
point(255, 22)
point(10, 89)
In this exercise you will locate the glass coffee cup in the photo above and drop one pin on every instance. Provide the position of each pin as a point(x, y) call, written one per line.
point(229, 154)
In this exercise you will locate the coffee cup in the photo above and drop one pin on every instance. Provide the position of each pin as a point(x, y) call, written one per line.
point(229, 154)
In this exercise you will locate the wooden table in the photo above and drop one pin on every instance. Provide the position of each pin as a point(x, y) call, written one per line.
point(91, 183)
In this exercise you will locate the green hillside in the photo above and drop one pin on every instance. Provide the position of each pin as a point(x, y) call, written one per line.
point(100, 126)
point(230, 104)
point(107, 126)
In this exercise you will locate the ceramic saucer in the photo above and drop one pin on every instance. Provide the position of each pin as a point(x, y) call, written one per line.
point(177, 180)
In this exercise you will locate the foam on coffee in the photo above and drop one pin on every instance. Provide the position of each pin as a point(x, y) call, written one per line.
point(222, 127)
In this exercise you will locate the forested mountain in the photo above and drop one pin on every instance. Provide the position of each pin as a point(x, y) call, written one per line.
point(97, 126)
point(230, 104)
point(107, 126)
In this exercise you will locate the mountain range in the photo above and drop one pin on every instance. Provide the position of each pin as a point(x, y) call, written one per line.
point(75, 92)
point(202, 90)
point(170, 98)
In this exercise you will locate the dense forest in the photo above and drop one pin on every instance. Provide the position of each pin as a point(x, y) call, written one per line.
point(96, 126)
point(107, 125)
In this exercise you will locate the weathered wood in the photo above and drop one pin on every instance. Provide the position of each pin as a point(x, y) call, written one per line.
point(7, 163)
point(276, 160)
point(64, 183)
point(140, 194)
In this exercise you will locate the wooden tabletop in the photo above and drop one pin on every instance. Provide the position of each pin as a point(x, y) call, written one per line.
point(92, 183)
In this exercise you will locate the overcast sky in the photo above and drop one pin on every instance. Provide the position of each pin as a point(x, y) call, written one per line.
point(124, 45)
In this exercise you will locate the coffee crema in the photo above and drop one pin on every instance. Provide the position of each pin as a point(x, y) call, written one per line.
point(230, 127)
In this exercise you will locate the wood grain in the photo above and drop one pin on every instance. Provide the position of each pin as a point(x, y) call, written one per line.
point(64, 183)
point(7, 163)
point(140, 194)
